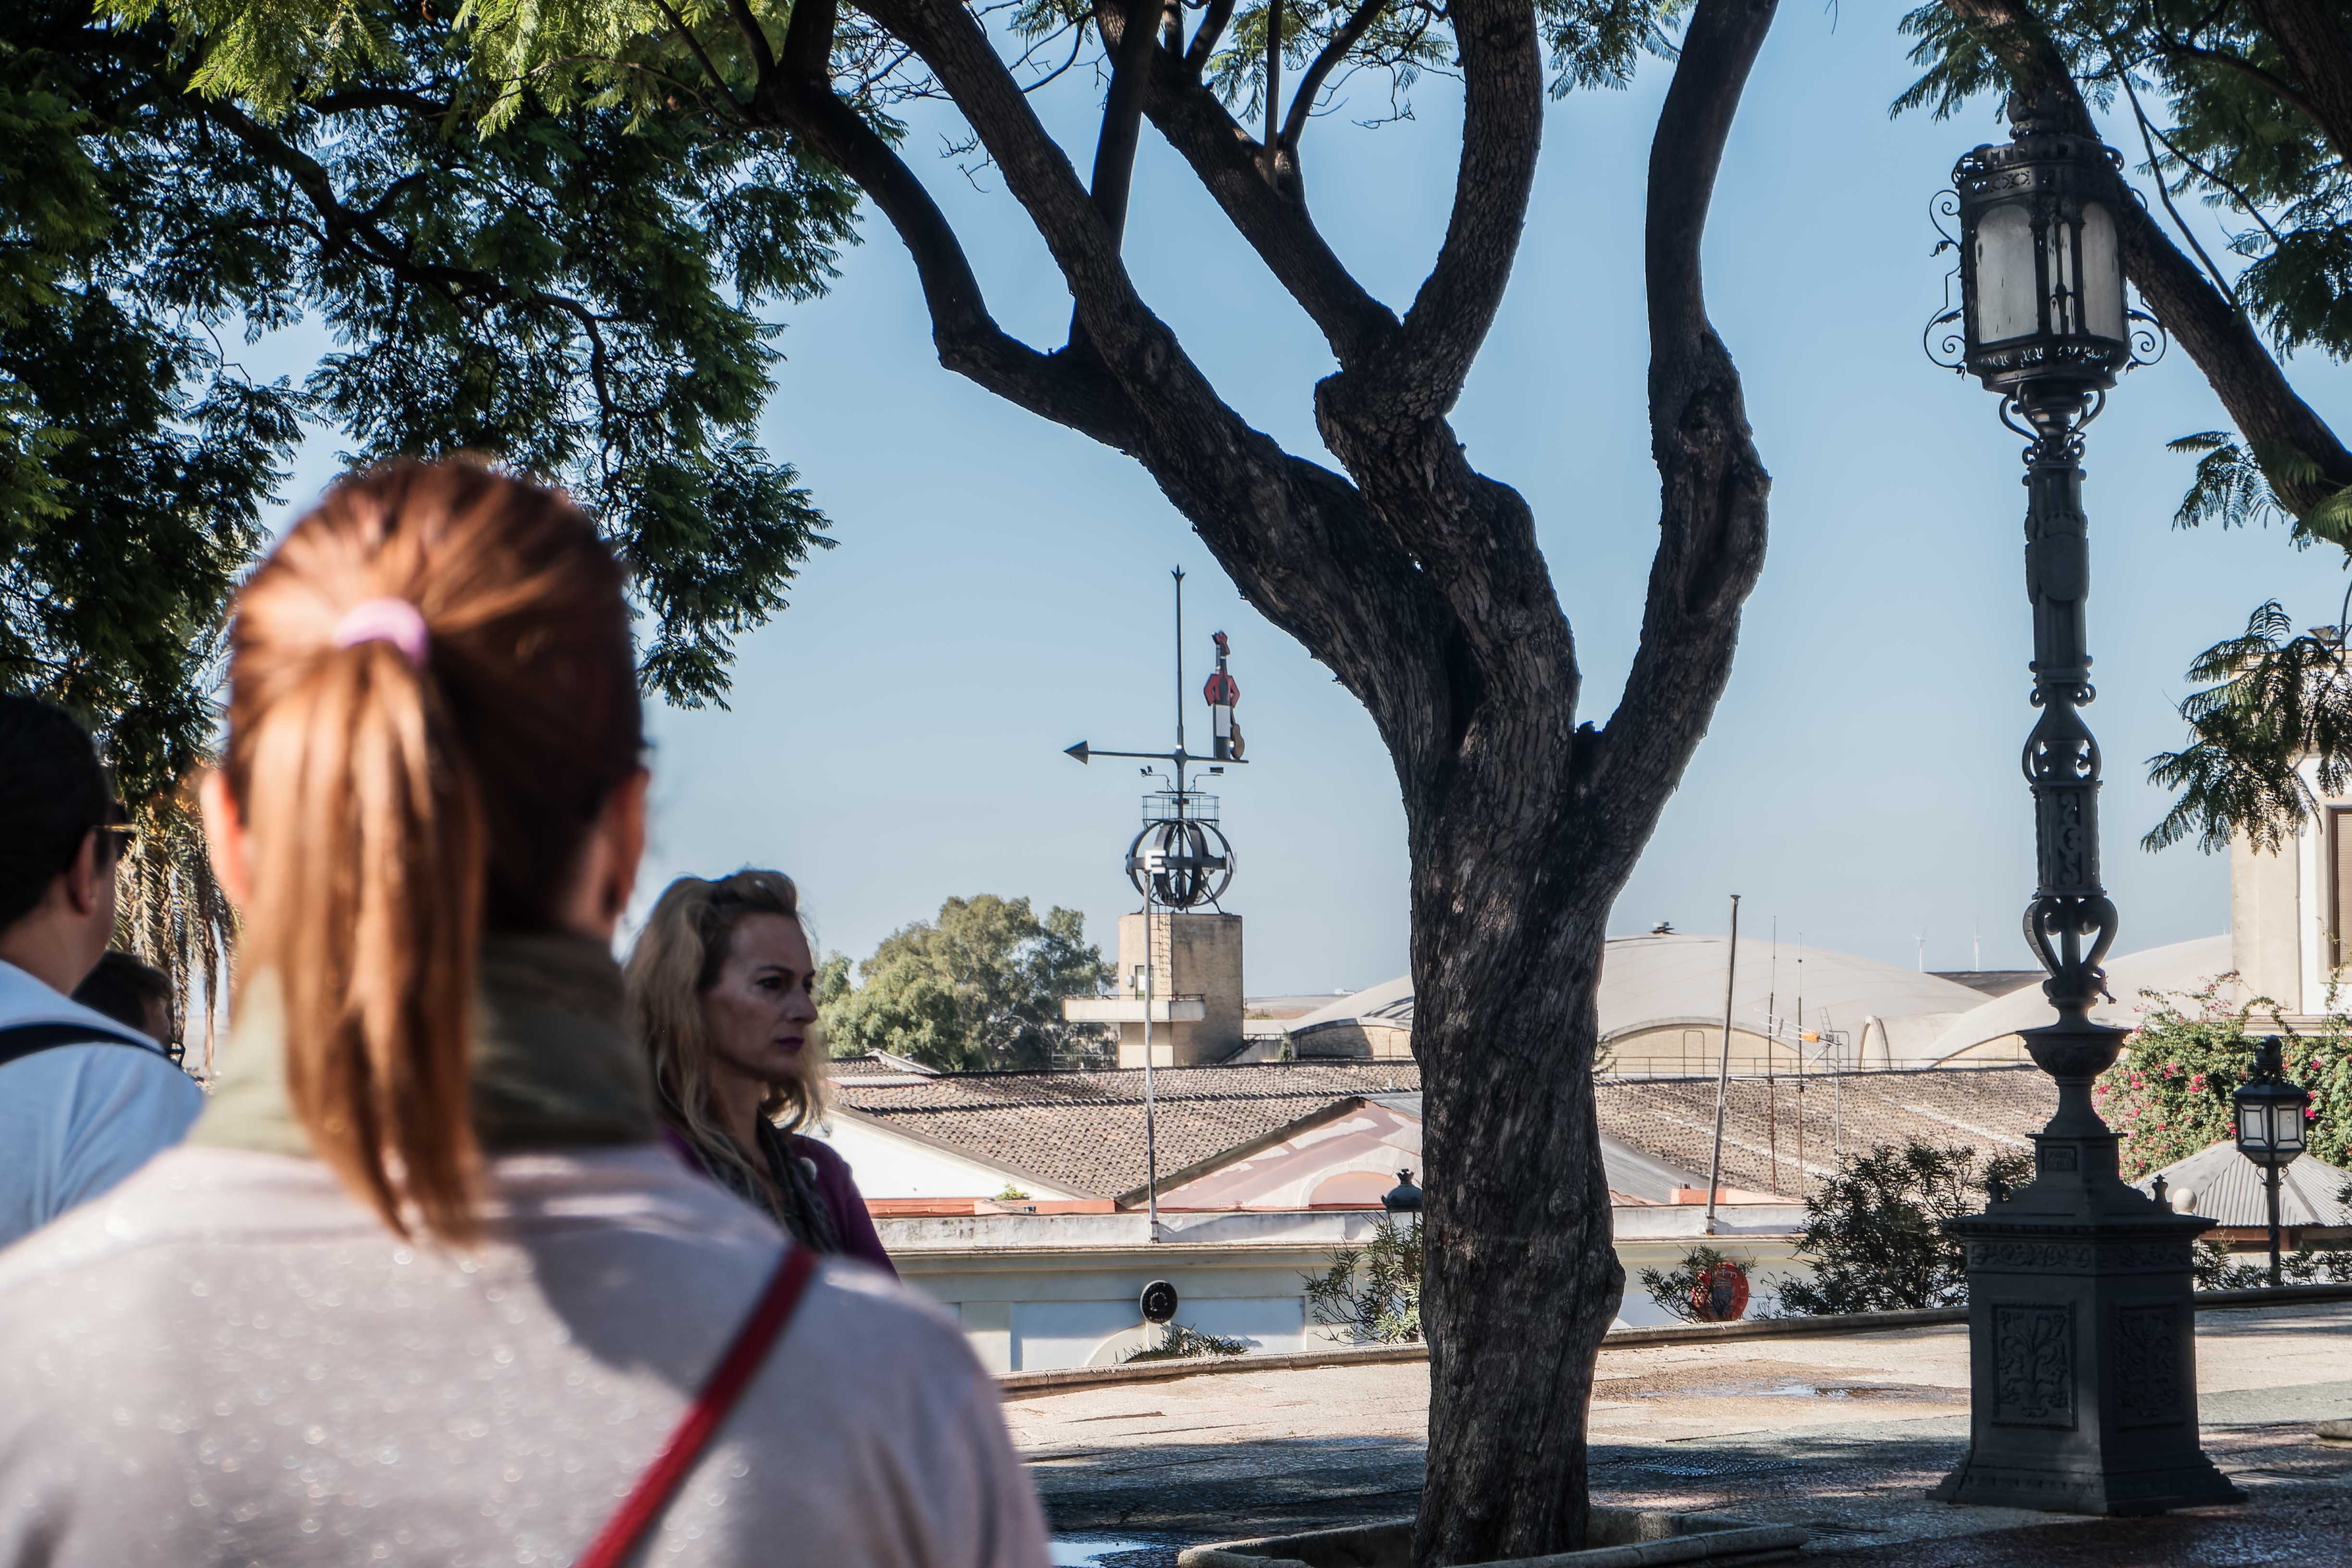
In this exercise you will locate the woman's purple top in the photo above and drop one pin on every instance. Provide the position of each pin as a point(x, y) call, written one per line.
point(843, 1201)
point(851, 1222)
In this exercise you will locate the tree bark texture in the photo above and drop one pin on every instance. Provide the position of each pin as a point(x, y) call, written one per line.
point(1418, 581)
point(2217, 334)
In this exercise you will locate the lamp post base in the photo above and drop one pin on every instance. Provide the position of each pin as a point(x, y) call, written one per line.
point(2082, 1326)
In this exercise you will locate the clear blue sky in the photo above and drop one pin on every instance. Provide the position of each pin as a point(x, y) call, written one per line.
point(1000, 589)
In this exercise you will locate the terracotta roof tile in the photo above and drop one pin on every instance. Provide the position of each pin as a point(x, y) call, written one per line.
point(1082, 1131)
point(1990, 1110)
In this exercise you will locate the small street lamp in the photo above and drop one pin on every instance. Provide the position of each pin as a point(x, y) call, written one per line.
point(2082, 1355)
point(2270, 1113)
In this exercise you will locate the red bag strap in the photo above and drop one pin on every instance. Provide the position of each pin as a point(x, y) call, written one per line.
point(644, 1503)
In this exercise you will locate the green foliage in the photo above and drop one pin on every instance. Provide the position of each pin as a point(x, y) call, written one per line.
point(576, 293)
point(980, 989)
point(2170, 1094)
point(1871, 1232)
point(2272, 699)
point(1178, 1343)
point(1670, 1289)
point(1372, 1291)
point(2217, 1268)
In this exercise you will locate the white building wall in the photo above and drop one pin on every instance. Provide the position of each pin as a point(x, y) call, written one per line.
point(1040, 1292)
point(886, 1165)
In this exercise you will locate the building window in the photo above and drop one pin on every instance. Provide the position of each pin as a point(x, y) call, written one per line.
point(2339, 893)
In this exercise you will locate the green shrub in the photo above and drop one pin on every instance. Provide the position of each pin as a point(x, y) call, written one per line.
point(1871, 1232)
point(1178, 1343)
point(1372, 1291)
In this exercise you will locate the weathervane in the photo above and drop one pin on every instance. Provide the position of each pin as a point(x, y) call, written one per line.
point(1181, 859)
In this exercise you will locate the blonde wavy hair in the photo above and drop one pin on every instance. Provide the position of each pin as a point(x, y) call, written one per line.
point(677, 958)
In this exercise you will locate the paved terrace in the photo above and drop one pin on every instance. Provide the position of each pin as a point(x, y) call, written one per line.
point(1840, 1435)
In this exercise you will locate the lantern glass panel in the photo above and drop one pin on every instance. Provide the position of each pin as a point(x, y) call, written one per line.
point(2007, 294)
point(2103, 274)
point(2254, 1126)
point(2287, 1122)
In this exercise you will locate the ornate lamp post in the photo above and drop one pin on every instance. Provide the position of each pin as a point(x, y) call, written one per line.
point(2082, 1355)
point(2271, 1114)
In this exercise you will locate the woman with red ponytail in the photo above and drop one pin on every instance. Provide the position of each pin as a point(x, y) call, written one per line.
point(423, 1286)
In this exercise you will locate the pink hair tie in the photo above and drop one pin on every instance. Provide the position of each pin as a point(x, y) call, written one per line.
point(396, 621)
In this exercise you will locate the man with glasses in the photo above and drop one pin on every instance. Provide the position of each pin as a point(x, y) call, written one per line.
point(84, 1101)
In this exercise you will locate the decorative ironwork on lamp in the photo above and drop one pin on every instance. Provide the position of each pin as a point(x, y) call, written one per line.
point(2082, 1354)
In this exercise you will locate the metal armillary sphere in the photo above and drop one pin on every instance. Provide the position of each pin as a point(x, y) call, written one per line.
point(2270, 1112)
point(1180, 861)
point(2080, 1347)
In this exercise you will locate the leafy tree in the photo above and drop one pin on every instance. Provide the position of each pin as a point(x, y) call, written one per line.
point(1415, 578)
point(2246, 106)
point(980, 989)
point(575, 293)
point(1373, 1291)
point(1871, 1232)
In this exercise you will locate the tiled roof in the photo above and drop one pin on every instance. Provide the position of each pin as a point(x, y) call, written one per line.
point(1082, 1131)
point(1991, 1109)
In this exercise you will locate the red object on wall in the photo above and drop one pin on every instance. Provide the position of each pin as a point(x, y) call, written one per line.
point(1719, 1295)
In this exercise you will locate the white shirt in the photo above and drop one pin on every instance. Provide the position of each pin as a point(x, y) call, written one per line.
point(228, 1362)
point(76, 1119)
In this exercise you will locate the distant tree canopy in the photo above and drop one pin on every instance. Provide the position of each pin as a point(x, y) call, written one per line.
point(978, 989)
point(2245, 106)
point(575, 294)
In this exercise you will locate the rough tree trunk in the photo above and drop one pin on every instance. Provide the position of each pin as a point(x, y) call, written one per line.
point(1418, 581)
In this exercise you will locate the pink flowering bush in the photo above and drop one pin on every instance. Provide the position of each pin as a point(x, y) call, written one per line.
point(2169, 1093)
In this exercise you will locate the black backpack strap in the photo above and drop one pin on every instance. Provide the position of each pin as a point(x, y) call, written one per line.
point(22, 1040)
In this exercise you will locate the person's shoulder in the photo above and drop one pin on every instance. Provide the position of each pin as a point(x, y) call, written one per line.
point(118, 1083)
point(869, 1329)
point(171, 1201)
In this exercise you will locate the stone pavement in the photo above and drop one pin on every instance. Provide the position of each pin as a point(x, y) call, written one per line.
point(1841, 1435)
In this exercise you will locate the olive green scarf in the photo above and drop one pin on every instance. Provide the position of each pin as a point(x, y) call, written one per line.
point(551, 1067)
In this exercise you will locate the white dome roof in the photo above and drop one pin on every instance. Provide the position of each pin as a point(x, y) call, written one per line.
point(2175, 967)
point(1649, 982)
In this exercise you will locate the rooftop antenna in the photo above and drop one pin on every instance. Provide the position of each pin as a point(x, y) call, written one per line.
point(1723, 1072)
point(1771, 1043)
point(1180, 858)
point(1921, 939)
point(1801, 1066)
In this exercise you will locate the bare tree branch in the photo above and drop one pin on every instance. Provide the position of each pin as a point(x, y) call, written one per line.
point(1503, 100)
point(1334, 50)
point(1204, 38)
point(1223, 157)
point(1133, 36)
point(1712, 515)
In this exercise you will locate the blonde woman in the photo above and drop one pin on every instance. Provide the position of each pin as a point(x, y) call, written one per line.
point(722, 996)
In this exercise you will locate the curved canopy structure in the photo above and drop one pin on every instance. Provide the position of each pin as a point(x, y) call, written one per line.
point(1661, 1006)
point(1989, 1032)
